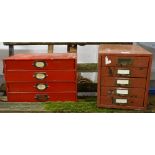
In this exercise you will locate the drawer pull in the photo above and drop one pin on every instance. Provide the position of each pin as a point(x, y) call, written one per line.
point(110, 71)
point(124, 61)
point(42, 97)
point(123, 72)
point(122, 82)
point(40, 75)
point(41, 86)
point(39, 64)
point(120, 101)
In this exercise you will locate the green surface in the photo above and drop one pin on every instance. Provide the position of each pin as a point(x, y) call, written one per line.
point(87, 67)
point(82, 106)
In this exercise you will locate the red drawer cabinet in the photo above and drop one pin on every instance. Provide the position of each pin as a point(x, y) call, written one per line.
point(41, 77)
point(124, 75)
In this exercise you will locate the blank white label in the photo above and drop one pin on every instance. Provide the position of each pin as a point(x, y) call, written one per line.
point(123, 71)
point(122, 101)
point(124, 82)
point(122, 91)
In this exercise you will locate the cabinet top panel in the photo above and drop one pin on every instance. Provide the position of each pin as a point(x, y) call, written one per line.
point(123, 49)
point(42, 56)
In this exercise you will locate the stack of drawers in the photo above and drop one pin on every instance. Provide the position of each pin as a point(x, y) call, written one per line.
point(124, 75)
point(42, 77)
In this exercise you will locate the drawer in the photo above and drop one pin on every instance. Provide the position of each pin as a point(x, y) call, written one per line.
point(41, 97)
point(124, 72)
point(42, 87)
point(124, 61)
point(38, 76)
point(126, 92)
point(68, 64)
point(123, 82)
point(121, 101)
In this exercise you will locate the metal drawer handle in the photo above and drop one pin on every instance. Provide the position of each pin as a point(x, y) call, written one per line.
point(40, 75)
point(42, 97)
point(39, 64)
point(125, 61)
point(41, 86)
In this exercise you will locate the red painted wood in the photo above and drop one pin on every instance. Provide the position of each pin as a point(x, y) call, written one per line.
point(136, 61)
point(133, 58)
point(108, 100)
point(30, 97)
point(50, 65)
point(133, 82)
point(135, 72)
point(52, 87)
point(111, 91)
point(28, 76)
point(60, 76)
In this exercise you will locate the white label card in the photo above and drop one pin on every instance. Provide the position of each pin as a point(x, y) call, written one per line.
point(123, 71)
point(124, 82)
point(122, 101)
point(122, 91)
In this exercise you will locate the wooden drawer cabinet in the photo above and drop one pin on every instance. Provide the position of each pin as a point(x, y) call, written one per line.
point(124, 75)
point(41, 77)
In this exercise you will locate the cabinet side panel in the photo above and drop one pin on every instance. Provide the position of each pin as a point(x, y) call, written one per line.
point(147, 83)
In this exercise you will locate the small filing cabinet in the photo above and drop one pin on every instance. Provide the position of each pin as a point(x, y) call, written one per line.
point(41, 77)
point(124, 76)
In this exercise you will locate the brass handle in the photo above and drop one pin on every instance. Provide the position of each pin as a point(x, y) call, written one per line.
point(125, 61)
point(39, 64)
point(41, 86)
point(42, 97)
point(40, 75)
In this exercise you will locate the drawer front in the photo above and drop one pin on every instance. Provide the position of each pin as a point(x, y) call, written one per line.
point(122, 61)
point(124, 72)
point(40, 76)
point(42, 87)
point(40, 64)
point(125, 92)
point(41, 97)
point(123, 82)
point(121, 101)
